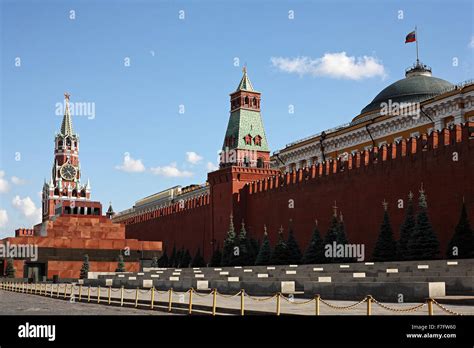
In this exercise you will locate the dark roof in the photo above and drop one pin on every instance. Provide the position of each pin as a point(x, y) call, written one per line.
point(410, 89)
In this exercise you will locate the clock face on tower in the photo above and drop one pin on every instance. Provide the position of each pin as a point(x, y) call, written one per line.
point(68, 172)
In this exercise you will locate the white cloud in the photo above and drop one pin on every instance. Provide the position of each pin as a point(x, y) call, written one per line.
point(3, 218)
point(171, 171)
point(335, 65)
point(17, 181)
point(211, 167)
point(193, 157)
point(131, 165)
point(28, 208)
point(471, 43)
point(4, 186)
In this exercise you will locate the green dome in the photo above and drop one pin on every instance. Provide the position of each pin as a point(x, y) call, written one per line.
point(418, 85)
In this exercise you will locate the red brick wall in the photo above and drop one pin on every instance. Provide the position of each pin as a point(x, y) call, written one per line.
point(359, 193)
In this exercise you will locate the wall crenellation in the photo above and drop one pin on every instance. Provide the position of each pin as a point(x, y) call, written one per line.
point(373, 157)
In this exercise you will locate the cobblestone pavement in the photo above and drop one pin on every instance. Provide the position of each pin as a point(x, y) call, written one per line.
point(12, 303)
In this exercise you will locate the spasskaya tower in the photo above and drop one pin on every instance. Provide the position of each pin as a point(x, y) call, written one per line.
point(64, 194)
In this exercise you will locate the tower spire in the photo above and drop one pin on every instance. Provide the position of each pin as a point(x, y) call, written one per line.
point(66, 126)
point(245, 84)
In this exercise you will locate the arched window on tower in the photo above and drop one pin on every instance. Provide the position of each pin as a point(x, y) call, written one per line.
point(260, 162)
point(257, 140)
point(248, 139)
point(254, 101)
point(246, 100)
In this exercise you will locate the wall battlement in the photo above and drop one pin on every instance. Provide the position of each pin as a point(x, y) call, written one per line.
point(177, 207)
point(425, 143)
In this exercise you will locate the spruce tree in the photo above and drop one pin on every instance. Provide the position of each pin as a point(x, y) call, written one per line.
point(246, 253)
point(407, 229)
point(179, 257)
point(186, 259)
point(265, 251)
point(462, 243)
point(216, 258)
point(294, 251)
point(386, 246)
point(85, 267)
point(120, 264)
point(172, 261)
point(423, 245)
point(154, 262)
point(163, 261)
point(255, 246)
point(10, 271)
point(315, 251)
point(230, 243)
point(333, 235)
point(280, 255)
point(198, 260)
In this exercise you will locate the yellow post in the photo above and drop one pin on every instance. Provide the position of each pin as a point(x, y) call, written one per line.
point(278, 304)
point(98, 294)
point(80, 292)
point(190, 301)
point(65, 290)
point(110, 292)
point(36, 288)
point(242, 309)
point(136, 299)
point(430, 306)
point(369, 305)
point(317, 303)
point(152, 297)
point(52, 290)
point(57, 292)
point(121, 297)
point(214, 301)
point(170, 299)
point(89, 294)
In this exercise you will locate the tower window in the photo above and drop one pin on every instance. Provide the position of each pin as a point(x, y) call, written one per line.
point(257, 140)
point(254, 101)
point(248, 139)
point(246, 100)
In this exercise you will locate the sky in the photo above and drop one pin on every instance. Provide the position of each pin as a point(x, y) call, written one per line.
point(156, 76)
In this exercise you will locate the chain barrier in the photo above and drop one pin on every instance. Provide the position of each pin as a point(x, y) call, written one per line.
point(447, 310)
point(411, 309)
point(33, 288)
point(228, 296)
point(343, 307)
point(261, 299)
point(202, 295)
point(292, 301)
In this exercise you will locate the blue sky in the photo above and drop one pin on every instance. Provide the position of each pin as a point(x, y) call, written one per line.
point(313, 61)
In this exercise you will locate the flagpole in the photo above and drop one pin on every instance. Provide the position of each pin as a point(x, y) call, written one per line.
point(416, 39)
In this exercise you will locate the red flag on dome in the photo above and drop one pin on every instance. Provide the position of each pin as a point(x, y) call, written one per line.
point(411, 37)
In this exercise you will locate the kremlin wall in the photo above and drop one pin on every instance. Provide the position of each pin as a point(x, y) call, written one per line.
point(437, 158)
point(358, 186)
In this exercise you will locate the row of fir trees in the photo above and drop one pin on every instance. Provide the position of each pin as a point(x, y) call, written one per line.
point(417, 241)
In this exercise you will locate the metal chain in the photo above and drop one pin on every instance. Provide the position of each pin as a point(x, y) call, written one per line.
point(144, 291)
point(261, 299)
point(342, 307)
point(181, 293)
point(202, 295)
point(411, 309)
point(447, 310)
point(228, 296)
point(295, 303)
